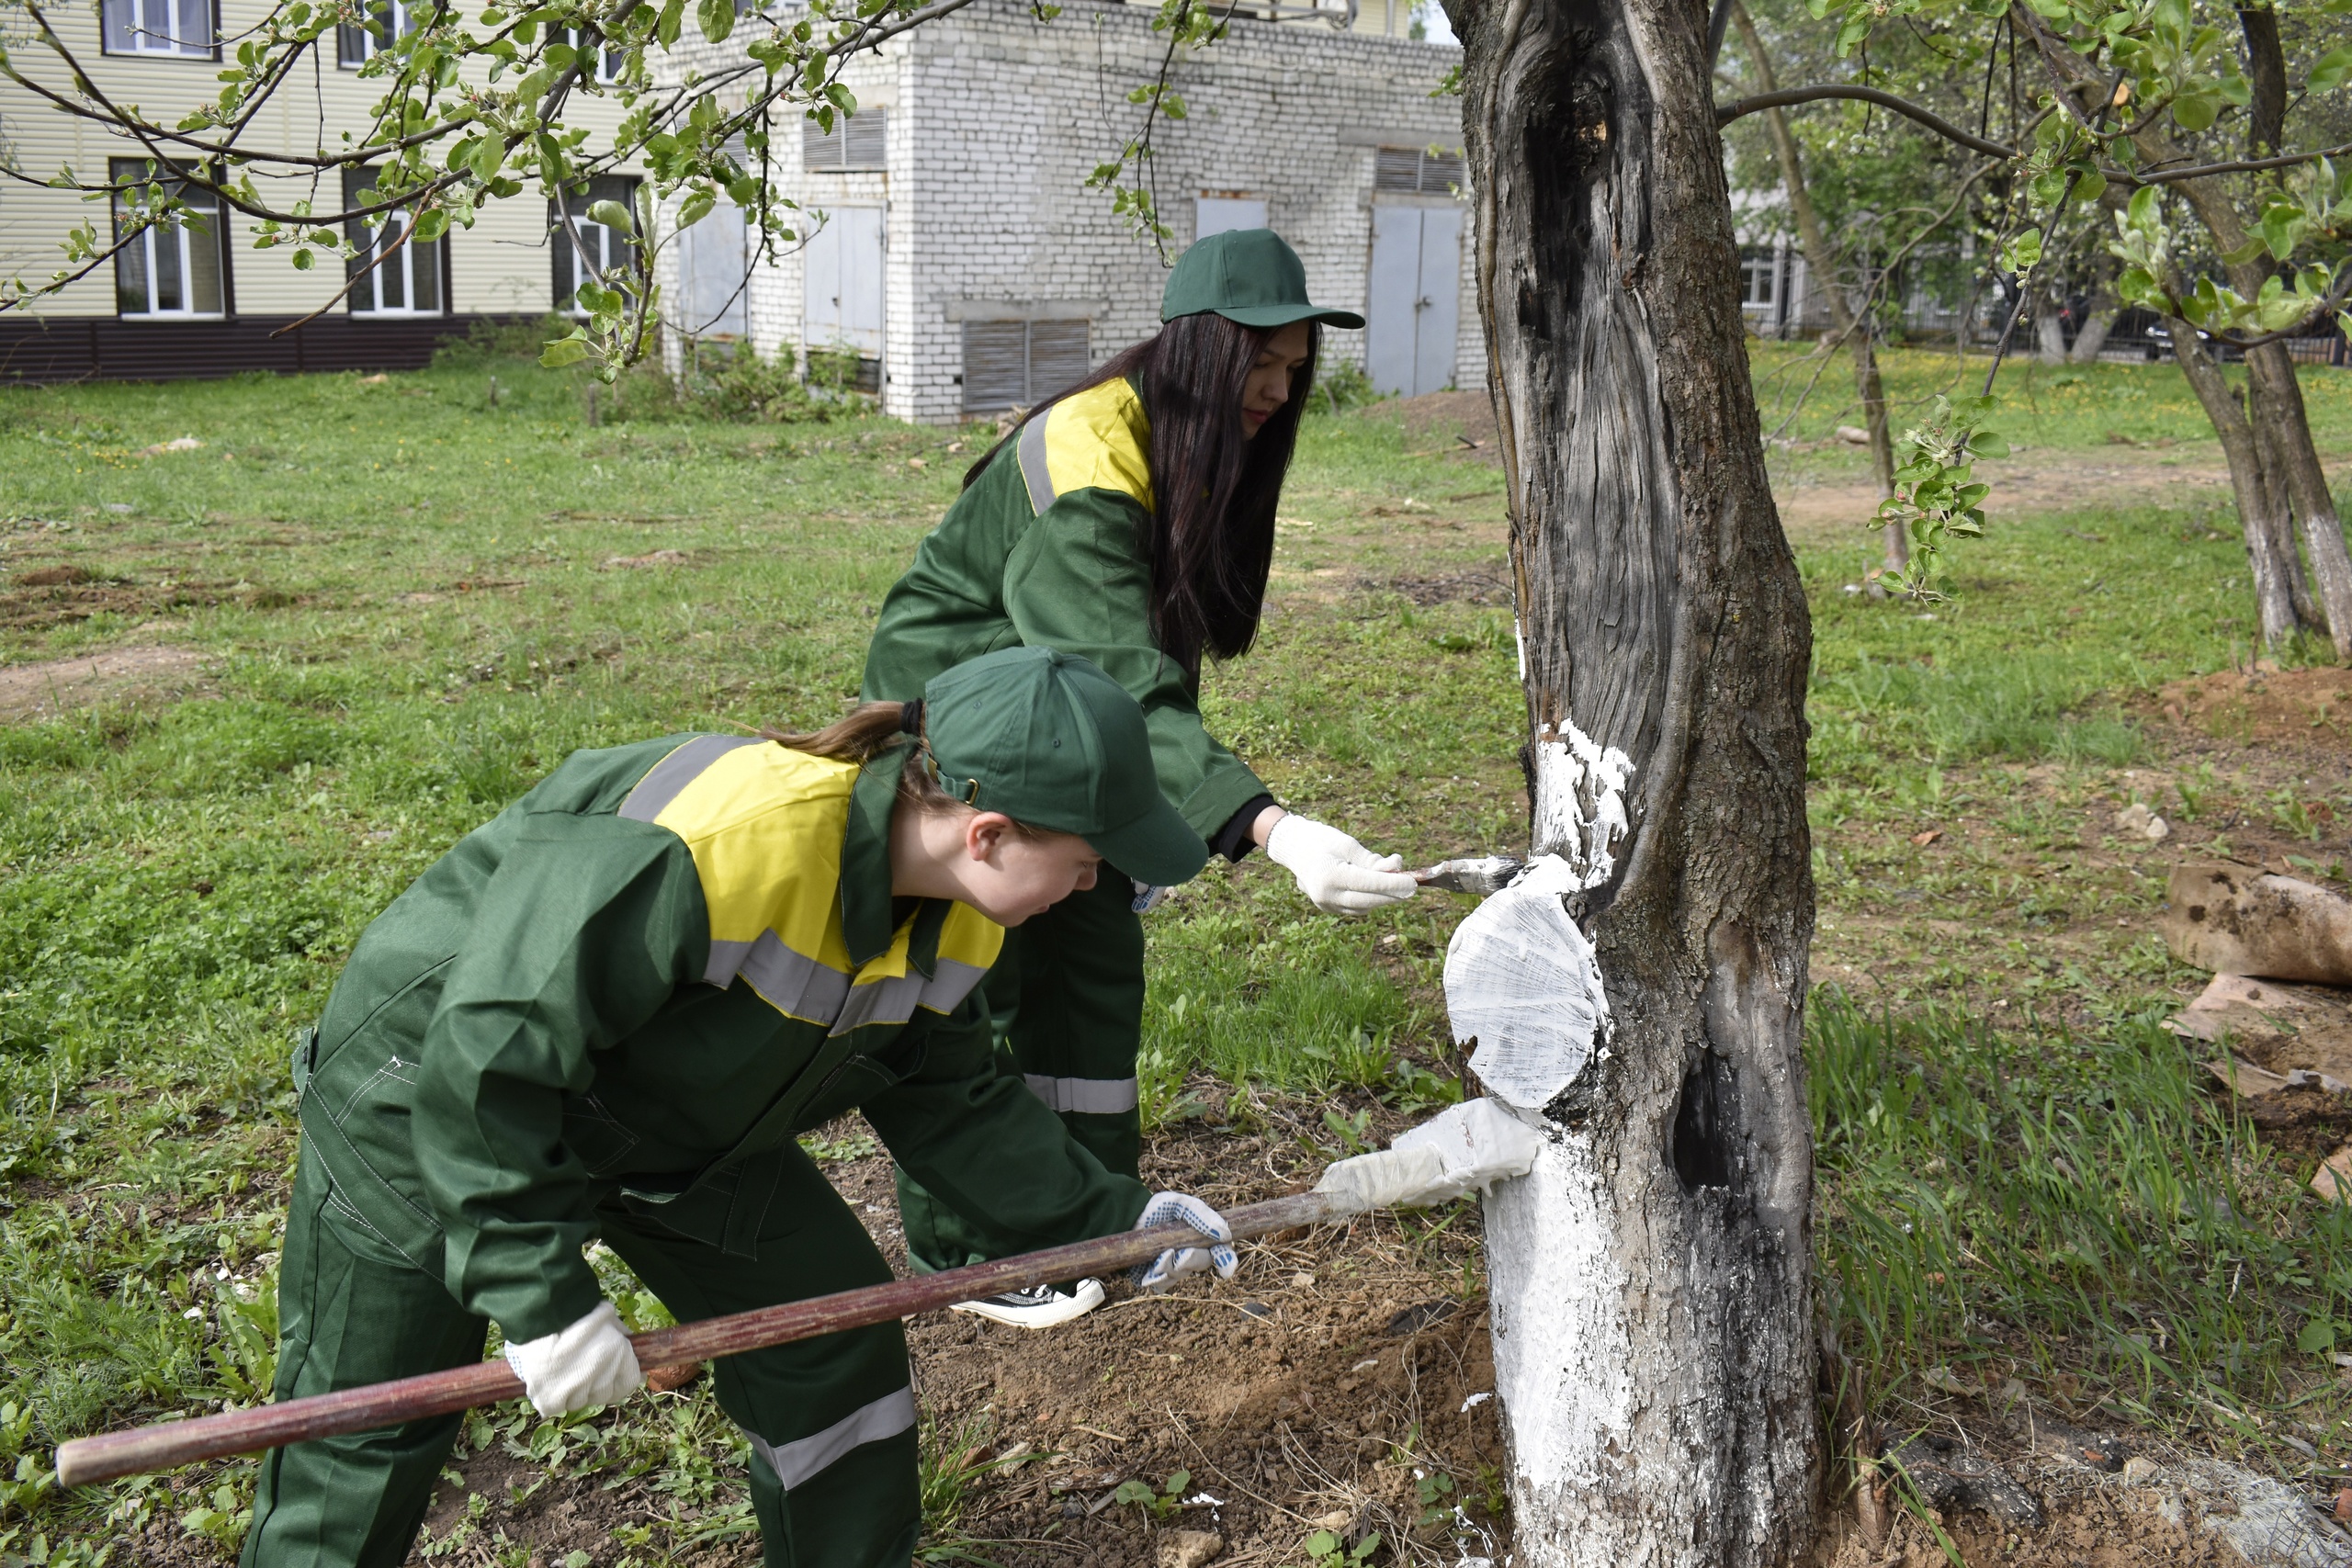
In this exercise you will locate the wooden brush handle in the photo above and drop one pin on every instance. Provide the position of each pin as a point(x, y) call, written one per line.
point(84, 1460)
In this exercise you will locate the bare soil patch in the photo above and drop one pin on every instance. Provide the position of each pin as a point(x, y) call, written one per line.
point(57, 595)
point(123, 674)
point(2291, 707)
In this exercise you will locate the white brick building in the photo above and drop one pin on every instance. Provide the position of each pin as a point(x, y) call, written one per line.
point(964, 259)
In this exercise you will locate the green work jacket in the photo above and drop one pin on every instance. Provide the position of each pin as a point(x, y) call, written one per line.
point(1043, 550)
point(635, 986)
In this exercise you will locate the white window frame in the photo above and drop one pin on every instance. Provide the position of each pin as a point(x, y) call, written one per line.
point(366, 299)
point(133, 23)
point(1759, 266)
point(608, 59)
point(606, 249)
point(183, 242)
point(402, 19)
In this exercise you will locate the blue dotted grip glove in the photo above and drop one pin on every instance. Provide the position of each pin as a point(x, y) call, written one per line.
point(1180, 1208)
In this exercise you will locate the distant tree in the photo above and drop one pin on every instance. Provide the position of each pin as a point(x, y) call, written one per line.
point(2195, 147)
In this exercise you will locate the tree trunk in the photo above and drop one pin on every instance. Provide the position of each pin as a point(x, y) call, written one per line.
point(2097, 322)
point(2050, 332)
point(2274, 399)
point(1651, 1278)
point(1822, 260)
point(2261, 515)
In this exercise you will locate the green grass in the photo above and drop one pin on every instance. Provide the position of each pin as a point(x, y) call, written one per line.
point(407, 599)
point(2042, 407)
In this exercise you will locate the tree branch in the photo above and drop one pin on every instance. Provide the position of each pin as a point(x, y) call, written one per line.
point(1741, 108)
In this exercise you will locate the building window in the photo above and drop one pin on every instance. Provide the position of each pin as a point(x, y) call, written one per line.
point(176, 269)
point(401, 279)
point(858, 141)
point(1759, 278)
point(391, 19)
point(1424, 170)
point(609, 61)
point(598, 250)
point(1020, 364)
point(181, 29)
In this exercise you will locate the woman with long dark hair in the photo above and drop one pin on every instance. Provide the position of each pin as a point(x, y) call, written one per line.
point(1129, 519)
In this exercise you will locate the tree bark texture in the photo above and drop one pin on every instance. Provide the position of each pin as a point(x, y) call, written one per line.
point(1651, 1278)
point(1821, 260)
point(2274, 397)
point(2097, 322)
point(2260, 512)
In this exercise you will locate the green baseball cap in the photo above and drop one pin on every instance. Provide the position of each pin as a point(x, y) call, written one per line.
point(1251, 276)
point(1051, 742)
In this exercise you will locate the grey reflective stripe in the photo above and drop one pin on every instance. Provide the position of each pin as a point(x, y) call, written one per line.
point(792, 981)
point(673, 773)
point(1032, 450)
point(801, 1460)
point(880, 1001)
point(1087, 1097)
point(951, 985)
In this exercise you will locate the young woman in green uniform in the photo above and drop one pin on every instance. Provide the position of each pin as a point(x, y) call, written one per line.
point(1131, 520)
point(607, 1012)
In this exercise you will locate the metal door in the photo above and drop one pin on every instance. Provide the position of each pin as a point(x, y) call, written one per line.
point(843, 282)
point(714, 256)
point(1412, 303)
point(1437, 309)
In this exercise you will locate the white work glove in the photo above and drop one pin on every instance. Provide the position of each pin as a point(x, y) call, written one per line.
point(1465, 1147)
point(1174, 1208)
point(1338, 876)
point(592, 1362)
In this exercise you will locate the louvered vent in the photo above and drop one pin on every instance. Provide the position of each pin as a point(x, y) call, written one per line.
point(1397, 168)
point(856, 142)
point(996, 365)
point(1416, 169)
point(1011, 364)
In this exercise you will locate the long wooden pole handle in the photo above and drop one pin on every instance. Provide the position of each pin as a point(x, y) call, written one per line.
point(109, 1455)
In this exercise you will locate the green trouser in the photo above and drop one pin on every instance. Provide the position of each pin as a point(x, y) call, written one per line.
point(832, 1420)
point(1066, 998)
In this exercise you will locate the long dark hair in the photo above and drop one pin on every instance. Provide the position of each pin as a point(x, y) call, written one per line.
point(1210, 539)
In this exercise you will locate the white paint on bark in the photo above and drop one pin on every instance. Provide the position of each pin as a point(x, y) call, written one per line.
point(1522, 981)
point(1564, 1368)
point(1579, 800)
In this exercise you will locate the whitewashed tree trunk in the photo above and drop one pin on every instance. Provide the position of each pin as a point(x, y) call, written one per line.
point(1651, 1278)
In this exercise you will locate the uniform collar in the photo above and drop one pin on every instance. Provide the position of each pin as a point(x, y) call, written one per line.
point(866, 929)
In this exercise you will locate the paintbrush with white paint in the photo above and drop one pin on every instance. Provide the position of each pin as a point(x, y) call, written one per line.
point(1485, 875)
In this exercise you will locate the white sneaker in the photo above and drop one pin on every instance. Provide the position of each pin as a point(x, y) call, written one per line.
point(1040, 1306)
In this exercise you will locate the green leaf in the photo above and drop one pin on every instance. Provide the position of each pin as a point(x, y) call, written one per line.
point(1984, 444)
point(612, 215)
point(2318, 1335)
point(2197, 111)
point(671, 23)
point(697, 207)
point(1176, 1481)
point(2091, 186)
point(1133, 1491)
point(303, 261)
point(1322, 1543)
point(716, 17)
point(431, 225)
point(2334, 68)
point(565, 351)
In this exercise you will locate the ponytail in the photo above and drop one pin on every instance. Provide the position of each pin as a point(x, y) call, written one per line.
point(867, 731)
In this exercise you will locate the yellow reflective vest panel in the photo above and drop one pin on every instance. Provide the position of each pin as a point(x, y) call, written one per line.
point(635, 986)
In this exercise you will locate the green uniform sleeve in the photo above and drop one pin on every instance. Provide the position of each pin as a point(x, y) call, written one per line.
point(977, 1139)
point(586, 928)
point(1074, 581)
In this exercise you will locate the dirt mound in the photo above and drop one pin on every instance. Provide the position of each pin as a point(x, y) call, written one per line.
point(43, 691)
point(2259, 704)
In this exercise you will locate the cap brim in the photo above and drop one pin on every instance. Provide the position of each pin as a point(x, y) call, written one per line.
point(1159, 848)
point(1284, 315)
